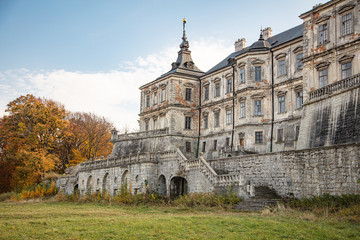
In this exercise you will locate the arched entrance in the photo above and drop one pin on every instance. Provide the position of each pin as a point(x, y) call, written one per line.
point(178, 187)
point(76, 189)
point(89, 185)
point(125, 179)
point(106, 183)
point(161, 188)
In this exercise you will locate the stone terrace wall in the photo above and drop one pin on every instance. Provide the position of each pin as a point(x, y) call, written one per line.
point(303, 173)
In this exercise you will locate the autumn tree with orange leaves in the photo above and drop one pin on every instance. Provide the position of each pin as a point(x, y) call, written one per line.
point(38, 136)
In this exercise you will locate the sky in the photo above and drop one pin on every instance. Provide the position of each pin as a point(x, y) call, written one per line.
point(92, 55)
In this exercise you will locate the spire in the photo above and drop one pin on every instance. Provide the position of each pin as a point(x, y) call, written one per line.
point(185, 44)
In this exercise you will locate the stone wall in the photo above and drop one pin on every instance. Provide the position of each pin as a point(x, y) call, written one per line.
point(302, 173)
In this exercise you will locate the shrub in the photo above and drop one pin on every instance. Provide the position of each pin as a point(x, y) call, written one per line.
point(37, 191)
point(207, 200)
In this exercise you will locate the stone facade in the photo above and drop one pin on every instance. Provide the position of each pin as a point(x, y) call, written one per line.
point(283, 112)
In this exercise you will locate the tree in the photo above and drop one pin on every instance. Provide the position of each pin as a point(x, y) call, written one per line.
point(30, 136)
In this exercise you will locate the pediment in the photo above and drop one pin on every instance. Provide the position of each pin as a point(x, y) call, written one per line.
point(206, 84)
point(188, 85)
point(280, 56)
point(322, 19)
point(257, 62)
point(322, 65)
point(241, 64)
point(189, 114)
point(217, 79)
point(346, 8)
point(298, 88)
point(281, 93)
point(228, 76)
point(257, 96)
point(298, 49)
point(241, 99)
point(216, 110)
point(346, 58)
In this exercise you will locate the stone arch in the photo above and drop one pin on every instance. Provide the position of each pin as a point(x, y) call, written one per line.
point(161, 187)
point(178, 187)
point(125, 179)
point(89, 184)
point(106, 183)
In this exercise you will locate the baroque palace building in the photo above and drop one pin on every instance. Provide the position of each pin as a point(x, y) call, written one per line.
point(266, 115)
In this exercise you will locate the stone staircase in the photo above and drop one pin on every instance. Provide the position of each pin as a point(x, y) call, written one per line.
point(263, 197)
point(222, 180)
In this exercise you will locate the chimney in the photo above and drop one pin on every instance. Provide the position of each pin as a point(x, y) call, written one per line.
point(266, 33)
point(240, 44)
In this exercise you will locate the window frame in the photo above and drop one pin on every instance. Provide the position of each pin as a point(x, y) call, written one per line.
point(281, 67)
point(280, 135)
point(323, 33)
point(204, 146)
point(217, 119)
point(188, 146)
point(228, 116)
point(229, 85)
point(299, 96)
point(299, 64)
point(347, 71)
point(206, 93)
point(217, 89)
point(147, 100)
point(206, 121)
point(257, 108)
point(350, 21)
point(323, 77)
point(281, 102)
point(257, 71)
point(259, 140)
point(187, 123)
point(188, 94)
point(242, 75)
point(242, 109)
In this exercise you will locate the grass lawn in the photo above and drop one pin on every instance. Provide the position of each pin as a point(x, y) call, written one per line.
point(58, 220)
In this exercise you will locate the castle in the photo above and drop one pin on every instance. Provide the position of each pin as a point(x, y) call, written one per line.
point(283, 112)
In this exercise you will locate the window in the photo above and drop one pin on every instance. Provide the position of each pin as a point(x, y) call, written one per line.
point(206, 93)
point(323, 78)
point(188, 94)
point(162, 95)
point(147, 126)
point(299, 99)
point(257, 105)
point(203, 146)
point(217, 89)
point(323, 33)
point(347, 24)
point(227, 142)
point(229, 86)
point(215, 145)
point(188, 146)
point(216, 120)
point(242, 75)
point(281, 100)
point(345, 70)
point(280, 135)
point(297, 131)
point(205, 121)
point(258, 137)
point(257, 73)
point(242, 110)
point(299, 64)
point(147, 100)
point(282, 67)
point(155, 124)
point(187, 122)
point(155, 98)
point(228, 116)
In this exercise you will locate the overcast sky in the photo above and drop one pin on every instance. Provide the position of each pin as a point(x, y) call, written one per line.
point(92, 56)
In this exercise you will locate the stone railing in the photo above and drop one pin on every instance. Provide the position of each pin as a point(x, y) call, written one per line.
point(128, 160)
point(346, 83)
point(145, 134)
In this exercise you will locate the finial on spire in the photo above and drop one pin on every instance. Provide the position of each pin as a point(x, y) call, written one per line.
point(185, 44)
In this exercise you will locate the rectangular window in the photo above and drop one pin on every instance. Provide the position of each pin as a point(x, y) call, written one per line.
point(228, 116)
point(188, 94)
point(155, 124)
point(299, 99)
point(257, 73)
point(282, 67)
point(188, 146)
point(229, 86)
point(216, 119)
point(147, 126)
point(205, 121)
point(346, 70)
point(297, 131)
point(187, 122)
point(206, 93)
point(227, 142)
point(162, 95)
point(147, 100)
point(203, 146)
point(323, 78)
point(299, 64)
point(155, 98)
point(242, 75)
point(217, 89)
point(215, 145)
point(242, 110)
point(281, 104)
point(347, 24)
point(258, 137)
point(280, 135)
point(323, 33)
point(257, 105)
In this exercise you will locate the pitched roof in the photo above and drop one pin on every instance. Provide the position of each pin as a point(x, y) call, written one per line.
point(274, 41)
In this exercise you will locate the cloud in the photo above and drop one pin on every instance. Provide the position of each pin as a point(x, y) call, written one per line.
point(114, 94)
